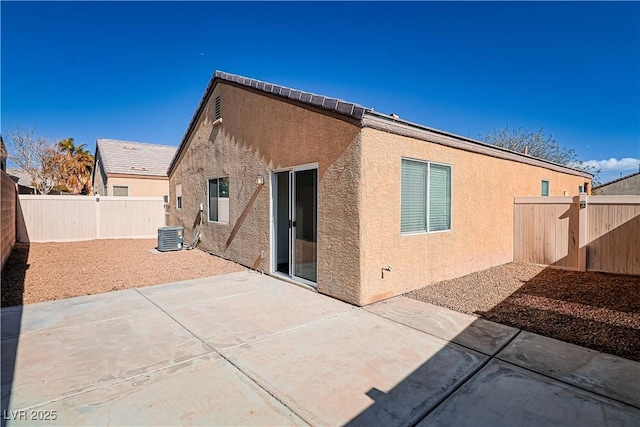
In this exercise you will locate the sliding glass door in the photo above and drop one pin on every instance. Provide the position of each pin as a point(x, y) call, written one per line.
point(295, 210)
point(306, 224)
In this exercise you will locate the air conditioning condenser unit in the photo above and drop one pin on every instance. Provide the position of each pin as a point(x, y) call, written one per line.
point(170, 238)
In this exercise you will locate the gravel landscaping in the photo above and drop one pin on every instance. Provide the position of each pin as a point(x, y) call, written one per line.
point(596, 310)
point(39, 272)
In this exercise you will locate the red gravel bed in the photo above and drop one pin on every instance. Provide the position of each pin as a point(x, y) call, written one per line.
point(595, 310)
point(39, 272)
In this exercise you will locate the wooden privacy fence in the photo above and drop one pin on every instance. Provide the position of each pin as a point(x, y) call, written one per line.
point(596, 233)
point(71, 218)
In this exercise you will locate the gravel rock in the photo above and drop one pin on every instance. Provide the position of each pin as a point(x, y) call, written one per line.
point(596, 310)
point(39, 272)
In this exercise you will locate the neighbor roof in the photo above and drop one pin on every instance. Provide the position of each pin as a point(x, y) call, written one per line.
point(134, 158)
point(622, 178)
point(367, 117)
point(20, 176)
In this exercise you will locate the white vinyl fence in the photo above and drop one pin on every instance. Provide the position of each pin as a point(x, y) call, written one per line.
point(71, 218)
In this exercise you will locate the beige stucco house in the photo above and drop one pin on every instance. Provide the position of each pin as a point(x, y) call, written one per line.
point(358, 204)
point(625, 185)
point(125, 168)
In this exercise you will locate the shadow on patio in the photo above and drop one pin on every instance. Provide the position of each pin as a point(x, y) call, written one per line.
point(13, 278)
point(595, 310)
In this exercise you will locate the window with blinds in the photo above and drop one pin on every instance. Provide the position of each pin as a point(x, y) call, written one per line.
point(545, 188)
point(121, 190)
point(425, 197)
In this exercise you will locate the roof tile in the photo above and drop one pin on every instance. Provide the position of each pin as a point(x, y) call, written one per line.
point(330, 103)
point(295, 94)
point(317, 100)
point(344, 107)
point(323, 102)
point(134, 158)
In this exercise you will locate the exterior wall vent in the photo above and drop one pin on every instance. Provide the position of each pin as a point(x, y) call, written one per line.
point(218, 108)
point(170, 238)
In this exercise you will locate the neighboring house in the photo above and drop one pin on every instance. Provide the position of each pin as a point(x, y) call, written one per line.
point(359, 204)
point(626, 185)
point(24, 181)
point(125, 168)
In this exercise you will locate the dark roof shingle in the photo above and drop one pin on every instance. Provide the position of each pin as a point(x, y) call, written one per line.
point(332, 104)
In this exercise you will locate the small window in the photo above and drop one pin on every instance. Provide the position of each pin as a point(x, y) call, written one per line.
point(104, 189)
point(219, 200)
point(425, 197)
point(545, 188)
point(120, 190)
point(586, 187)
point(179, 196)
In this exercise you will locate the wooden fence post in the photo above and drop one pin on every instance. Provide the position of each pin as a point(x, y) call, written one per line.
point(583, 233)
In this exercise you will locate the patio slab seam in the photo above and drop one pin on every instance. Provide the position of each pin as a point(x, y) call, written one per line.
point(313, 322)
point(266, 389)
point(564, 382)
point(450, 341)
point(118, 381)
point(58, 328)
point(484, 364)
point(177, 322)
point(208, 299)
point(496, 355)
point(467, 377)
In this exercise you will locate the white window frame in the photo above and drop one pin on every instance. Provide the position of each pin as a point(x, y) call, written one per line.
point(178, 196)
point(113, 190)
point(427, 188)
point(209, 200)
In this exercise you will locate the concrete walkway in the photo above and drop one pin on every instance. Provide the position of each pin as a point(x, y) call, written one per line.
point(246, 349)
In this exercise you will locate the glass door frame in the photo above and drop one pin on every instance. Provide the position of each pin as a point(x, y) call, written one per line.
point(292, 207)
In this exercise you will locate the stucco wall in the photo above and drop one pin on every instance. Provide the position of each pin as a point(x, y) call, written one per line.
point(138, 186)
point(628, 186)
point(145, 187)
point(483, 191)
point(99, 179)
point(259, 134)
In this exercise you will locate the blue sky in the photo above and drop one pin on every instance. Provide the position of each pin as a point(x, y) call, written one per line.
point(136, 71)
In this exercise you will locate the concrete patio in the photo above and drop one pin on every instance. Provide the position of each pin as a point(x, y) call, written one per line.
point(247, 349)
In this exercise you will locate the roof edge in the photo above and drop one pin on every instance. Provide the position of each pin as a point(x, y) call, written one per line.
point(367, 118)
point(136, 142)
point(320, 102)
point(402, 127)
point(616, 180)
point(194, 118)
point(136, 176)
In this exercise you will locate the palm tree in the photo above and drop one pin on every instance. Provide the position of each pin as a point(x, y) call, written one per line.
point(74, 165)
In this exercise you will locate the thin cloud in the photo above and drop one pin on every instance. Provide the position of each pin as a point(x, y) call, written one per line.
point(612, 164)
